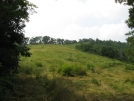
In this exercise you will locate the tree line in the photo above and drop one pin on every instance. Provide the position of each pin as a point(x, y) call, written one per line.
point(47, 40)
point(108, 48)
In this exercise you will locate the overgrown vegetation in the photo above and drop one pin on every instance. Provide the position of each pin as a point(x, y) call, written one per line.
point(72, 70)
point(67, 74)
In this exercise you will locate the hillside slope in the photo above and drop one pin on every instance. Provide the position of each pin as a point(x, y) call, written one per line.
point(95, 78)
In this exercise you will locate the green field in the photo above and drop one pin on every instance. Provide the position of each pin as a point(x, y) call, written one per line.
point(62, 73)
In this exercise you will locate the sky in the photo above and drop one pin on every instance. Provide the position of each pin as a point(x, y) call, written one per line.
point(78, 19)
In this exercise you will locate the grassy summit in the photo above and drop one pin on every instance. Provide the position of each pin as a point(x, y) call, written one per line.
point(88, 77)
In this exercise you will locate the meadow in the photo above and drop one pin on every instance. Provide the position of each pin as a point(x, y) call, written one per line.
point(63, 73)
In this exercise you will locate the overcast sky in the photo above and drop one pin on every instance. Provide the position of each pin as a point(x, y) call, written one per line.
point(77, 19)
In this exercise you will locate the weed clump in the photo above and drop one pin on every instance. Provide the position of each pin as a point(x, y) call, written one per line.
point(39, 64)
point(89, 66)
point(72, 70)
point(95, 81)
point(129, 80)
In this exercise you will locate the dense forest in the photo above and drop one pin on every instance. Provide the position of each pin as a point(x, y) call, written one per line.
point(108, 48)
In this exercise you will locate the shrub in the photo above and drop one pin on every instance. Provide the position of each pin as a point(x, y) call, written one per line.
point(67, 71)
point(72, 70)
point(129, 67)
point(89, 66)
point(38, 64)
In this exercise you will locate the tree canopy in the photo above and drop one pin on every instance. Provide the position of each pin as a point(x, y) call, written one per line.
point(14, 14)
point(130, 23)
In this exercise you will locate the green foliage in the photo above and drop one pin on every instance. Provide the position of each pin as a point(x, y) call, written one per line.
point(129, 80)
point(72, 70)
point(109, 52)
point(129, 67)
point(39, 64)
point(46, 39)
point(12, 37)
point(90, 66)
point(109, 48)
point(6, 87)
point(130, 23)
point(36, 40)
point(49, 40)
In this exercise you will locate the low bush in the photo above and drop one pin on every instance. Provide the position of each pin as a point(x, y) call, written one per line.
point(129, 67)
point(89, 66)
point(72, 70)
point(39, 64)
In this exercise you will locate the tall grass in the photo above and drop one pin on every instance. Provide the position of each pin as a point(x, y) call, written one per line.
point(93, 77)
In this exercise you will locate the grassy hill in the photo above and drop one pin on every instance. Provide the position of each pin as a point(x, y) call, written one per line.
point(62, 73)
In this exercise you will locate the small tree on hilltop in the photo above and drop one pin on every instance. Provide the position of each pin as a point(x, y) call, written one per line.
point(14, 14)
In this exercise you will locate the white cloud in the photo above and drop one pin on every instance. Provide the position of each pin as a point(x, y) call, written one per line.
point(114, 31)
point(76, 19)
point(105, 32)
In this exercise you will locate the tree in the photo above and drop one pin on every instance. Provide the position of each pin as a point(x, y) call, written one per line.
point(60, 41)
point(26, 40)
point(130, 23)
point(74, 41)
point(14, 14)
point(46, 39)
point(67, 41)
point(52, 41)
point(32, 41)
point(36, 40)
point(108, 51)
